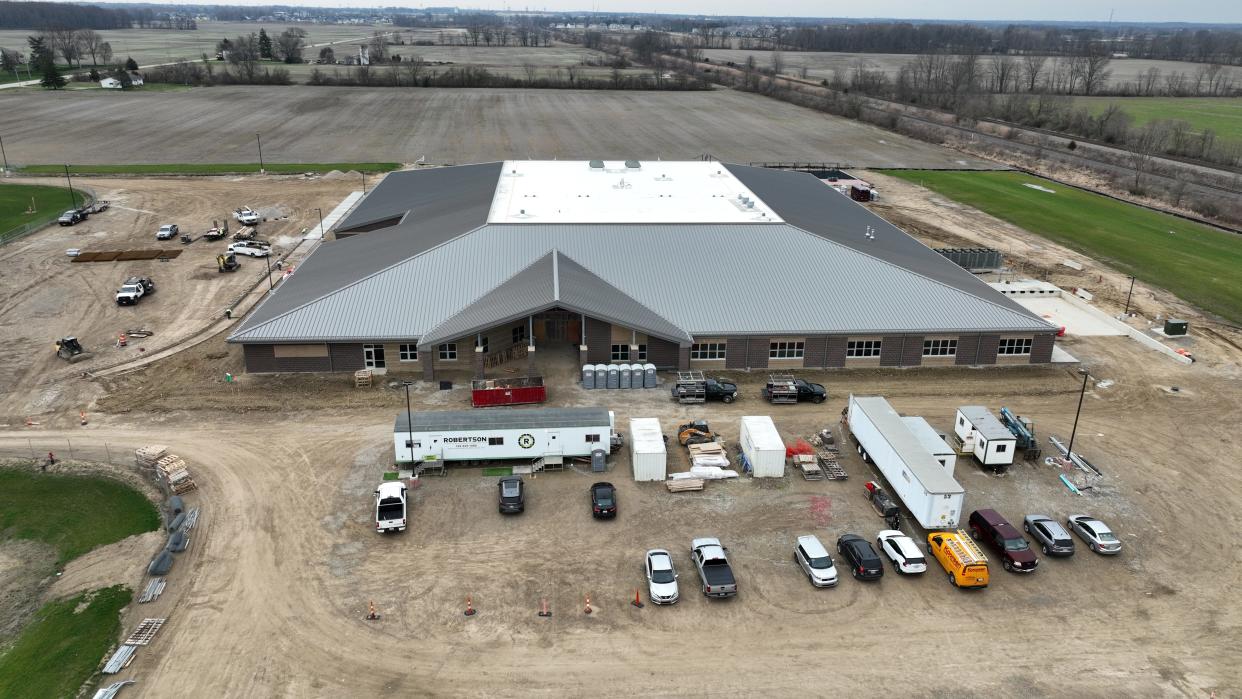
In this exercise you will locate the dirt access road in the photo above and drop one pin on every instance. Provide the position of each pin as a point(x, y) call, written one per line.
point(46, 296)
point(286, 559)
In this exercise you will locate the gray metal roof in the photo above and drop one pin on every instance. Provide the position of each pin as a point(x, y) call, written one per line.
point(509, 419)
point(453, 199)
point(405, 283)
point(916, 457)
point(985, 423)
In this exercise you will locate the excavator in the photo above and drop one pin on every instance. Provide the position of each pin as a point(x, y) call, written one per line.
point(696, 432)
point(227, 263)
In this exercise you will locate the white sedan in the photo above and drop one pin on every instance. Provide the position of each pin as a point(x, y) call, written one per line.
point(251, 249)
point(661, 578)
point(902, 551)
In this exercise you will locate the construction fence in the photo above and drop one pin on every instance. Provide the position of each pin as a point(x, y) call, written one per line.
point(37, 449)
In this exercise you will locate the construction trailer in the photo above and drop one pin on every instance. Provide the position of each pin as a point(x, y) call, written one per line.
point(984, 436)
point(516, 390)
point(648, 454)
point(932, 441)
point(763, 451)
point(552, 434)
point(913, 474)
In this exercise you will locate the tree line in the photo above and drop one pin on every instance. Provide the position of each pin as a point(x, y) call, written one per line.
point(38, 15)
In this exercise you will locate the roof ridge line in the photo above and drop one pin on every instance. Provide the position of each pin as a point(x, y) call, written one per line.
point(556, 275)
point(629, 296)
point(502, 282)
point(910, 271)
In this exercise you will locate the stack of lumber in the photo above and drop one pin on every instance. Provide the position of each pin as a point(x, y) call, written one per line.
point(147, 456)
point(709, 454)
point(684, 484)
point(173, 470)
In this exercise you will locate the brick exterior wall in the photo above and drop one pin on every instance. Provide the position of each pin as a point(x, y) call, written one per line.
point(735, 353)
point(261, 359)
point(891, 350)
point(816, 351)
point(987, 349)
point(662, 353)
point(346, 357)
point(912, 353)
point(967, 349)
point(834, 353)
point(757, 352)
point(1041, 348)
point(599, 341)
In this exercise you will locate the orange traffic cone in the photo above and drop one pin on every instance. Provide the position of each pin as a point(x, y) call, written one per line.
point(637, 600)
point(82, 416)
point(588, 605)
point(470, 606)
point(372, 615)
point(543, 608)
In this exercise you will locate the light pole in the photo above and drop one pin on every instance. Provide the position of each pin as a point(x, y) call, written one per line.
point(409, 421)
point(322, 232)
point(268, 259)
point(1069, 451)
point(5, 155)
point(73, 199)
point(1128, 294)
point(364, 182)
point(259, 140)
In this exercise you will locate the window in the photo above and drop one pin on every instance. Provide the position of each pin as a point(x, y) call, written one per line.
point(482, 343)
point(408, 353)
point(448, 351)
point(592, 438)
point(708, 350)
point(373, 356)
point(862, 348)
point(642, 354)
point(1002, 448)
point(786, 350)
point(495, 441)
point(1014, 345)
point(939, 348)
point(519, 334)
point(620, 353)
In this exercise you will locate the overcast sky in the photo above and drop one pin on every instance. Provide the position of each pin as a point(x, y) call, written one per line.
point(1225, 11)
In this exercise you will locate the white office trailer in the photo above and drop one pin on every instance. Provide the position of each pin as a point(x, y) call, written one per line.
point(486, 435)
point(928, 491)
point(984, 436)
point(933, 441)
point(647, 450)
point(762, 447)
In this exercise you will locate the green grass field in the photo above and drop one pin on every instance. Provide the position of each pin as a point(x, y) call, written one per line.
point(74, 514)
point(59, 651)
point(1201, 265)
point(50, 202)
point(1223, 115)
point(205, 168)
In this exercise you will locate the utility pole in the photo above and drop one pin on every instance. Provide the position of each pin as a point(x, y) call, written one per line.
point(322, 232)
point(259, 140)
point(1128, 294)
point(409, 420)
point(73, 199)
point(5, 172)
point(268, 259)
point(1069, 450)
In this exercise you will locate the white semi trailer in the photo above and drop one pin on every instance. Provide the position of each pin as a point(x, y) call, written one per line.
point(488, 435)
point(914, 475)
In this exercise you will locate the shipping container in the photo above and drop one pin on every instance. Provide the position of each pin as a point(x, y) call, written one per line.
point(519, 390)
point(762, 447)
point(918, 479)
point(647, 450)
point(984, 436)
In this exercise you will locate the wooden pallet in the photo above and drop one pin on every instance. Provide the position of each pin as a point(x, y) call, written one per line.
point(828, 461)
point(145, 632)
point(680, 485)
point(149, 455)
point(706, 449)
point(808, 466)
point(362, 378)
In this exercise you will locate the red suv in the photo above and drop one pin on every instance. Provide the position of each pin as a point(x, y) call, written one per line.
point(988, 526)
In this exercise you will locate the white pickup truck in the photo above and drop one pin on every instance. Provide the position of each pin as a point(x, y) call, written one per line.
point(246, 216)
point(133, 289)
point(390, 512)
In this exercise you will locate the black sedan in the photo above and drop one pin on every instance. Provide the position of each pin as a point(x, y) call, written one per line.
point(864, 561)
point(603, 500)
point(512, 495)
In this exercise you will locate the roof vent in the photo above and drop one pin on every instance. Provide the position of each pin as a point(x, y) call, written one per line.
point(633, 164)
point(597, 165)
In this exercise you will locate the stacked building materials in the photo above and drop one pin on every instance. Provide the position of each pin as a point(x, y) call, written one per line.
point(173, 470)
point(146, 456)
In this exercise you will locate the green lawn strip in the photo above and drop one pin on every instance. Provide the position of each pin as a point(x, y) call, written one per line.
point(1197, 263)
point(1223, 115)
point(494, 471)
point(74, 514)
point(204, 168)
point(61, 648)
point(50, 203)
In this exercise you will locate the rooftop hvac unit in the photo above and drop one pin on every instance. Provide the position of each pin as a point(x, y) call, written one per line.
point(597, 164)
point(633, 164)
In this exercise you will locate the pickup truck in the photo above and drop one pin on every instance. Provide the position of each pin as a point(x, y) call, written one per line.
point(133, 289)
point(791, 390)
point(71, 217)
point(713, 564)
point(390, 503)
point(693, 387)
point(246, 216)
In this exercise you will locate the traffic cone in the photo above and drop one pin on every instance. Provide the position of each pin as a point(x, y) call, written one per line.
point(82, 416)
point(637, 600)
point(372, 615)
point(470, 606)
point(588, 605)
point(543, 608)
point(122, 341)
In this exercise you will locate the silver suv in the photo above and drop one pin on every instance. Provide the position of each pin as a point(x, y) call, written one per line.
point(815, 561)
point(1049, 534)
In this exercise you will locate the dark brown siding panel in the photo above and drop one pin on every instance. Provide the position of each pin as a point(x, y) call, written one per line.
point(757, 352)
point(735, 353)
point(599, 341)
point(261, 359)
point(834, 355)
point(987, 348)
point(1041, 348)
point(662, 353)
point(967, 347)
point(912, 355)
point(816, 351)
point(890, 351)
point(346, 357)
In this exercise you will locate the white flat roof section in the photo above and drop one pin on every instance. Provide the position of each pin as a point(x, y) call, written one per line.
point(1077, 321)
point(565, 191)
point(927, 436)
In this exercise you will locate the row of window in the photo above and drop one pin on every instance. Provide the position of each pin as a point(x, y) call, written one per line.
point(861, 349)
point(622, 353)
point(500, 441)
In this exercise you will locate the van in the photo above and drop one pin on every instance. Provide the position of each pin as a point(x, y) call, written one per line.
point(960, 557)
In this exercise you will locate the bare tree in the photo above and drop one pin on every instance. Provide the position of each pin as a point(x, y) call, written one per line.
point(105, 53)
point(530, 70)
point(1002, 70)
point(90, 42)
point(1175, 84)
point(1148, 81)
point(778, 63)
point(1144, 145)
point(289, 45)
point(1095, 72)
point(414, 69)
point(65, 42)
point(377, 48)
point(1032, 66)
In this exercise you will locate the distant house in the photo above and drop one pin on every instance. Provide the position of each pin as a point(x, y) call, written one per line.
point(135, 79)
point(110, 83)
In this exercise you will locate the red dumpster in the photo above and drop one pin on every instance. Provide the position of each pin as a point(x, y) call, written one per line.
point(486, 393)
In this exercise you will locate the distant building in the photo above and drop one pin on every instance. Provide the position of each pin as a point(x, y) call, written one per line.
point(110, 83)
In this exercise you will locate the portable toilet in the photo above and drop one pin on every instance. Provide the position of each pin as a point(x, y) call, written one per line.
point(624, 373)
point(614, 376)
point(601, 376)
point(649, 376)
point(636, 375)
point(588, 376)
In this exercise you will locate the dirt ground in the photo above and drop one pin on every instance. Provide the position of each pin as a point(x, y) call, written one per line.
point(46, 296)
point(307, 124)
point(270, 598)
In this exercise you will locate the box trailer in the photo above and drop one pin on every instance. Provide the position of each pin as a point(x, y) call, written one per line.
point(913, 474)
point(647, 451)
point(486, 435)
point(984, 436)
point(763, 452)
point(933, 441)
point(517, 390)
